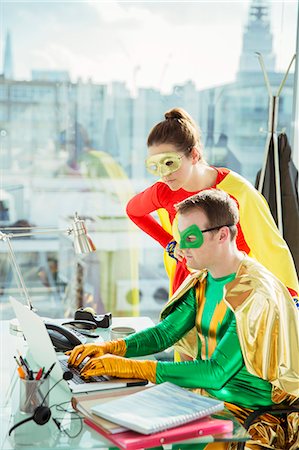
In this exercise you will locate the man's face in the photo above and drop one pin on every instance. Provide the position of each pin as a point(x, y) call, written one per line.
point(204, 256)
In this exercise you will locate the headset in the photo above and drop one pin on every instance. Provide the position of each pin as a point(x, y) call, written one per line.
point(42, 414)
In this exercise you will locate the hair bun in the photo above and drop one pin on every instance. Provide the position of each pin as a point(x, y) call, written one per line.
point(174, 113)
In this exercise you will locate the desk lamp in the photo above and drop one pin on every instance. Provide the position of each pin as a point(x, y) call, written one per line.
point(82, 244)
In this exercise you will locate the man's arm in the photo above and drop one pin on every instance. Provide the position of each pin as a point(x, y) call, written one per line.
point(166, 333)
point(214, 373)
point(209, 374)
point(152, 340)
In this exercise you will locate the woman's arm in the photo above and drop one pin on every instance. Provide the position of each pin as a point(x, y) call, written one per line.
point(139, 210)
point(167, 332)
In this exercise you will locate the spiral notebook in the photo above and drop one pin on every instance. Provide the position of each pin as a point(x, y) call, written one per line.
point(158, 408)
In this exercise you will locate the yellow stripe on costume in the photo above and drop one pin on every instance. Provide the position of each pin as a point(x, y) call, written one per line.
point(217, 319)
point(201, 301)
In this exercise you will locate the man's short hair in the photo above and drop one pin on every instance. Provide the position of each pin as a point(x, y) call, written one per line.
point(219, 208)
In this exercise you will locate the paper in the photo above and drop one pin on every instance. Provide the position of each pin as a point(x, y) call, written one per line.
point(157, 408)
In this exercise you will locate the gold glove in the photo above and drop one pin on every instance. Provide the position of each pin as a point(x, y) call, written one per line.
point(120, 367)
point(79, 353)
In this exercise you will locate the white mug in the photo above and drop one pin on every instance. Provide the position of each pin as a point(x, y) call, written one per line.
point(120, 332)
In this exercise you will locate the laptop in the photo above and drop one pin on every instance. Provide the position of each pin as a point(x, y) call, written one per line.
point(43, 354)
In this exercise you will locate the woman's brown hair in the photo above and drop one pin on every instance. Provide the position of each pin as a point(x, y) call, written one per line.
point(178, 129)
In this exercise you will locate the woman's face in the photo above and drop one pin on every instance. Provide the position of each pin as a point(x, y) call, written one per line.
point(174, 179)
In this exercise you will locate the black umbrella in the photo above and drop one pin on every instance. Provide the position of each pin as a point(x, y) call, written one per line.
point(288, 204)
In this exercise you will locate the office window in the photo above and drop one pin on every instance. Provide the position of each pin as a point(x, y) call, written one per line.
point(83, 83)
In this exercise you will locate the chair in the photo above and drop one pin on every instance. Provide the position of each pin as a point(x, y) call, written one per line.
point(276, 410)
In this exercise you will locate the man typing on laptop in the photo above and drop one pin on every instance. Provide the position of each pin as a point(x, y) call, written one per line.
point(223, 319)
point(43, 354)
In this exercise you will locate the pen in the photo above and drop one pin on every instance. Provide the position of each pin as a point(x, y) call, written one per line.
point(49, 371)
point(21, 372)
point(26, 363)
point(17, 361)
point(39, 374)
point(23, 362)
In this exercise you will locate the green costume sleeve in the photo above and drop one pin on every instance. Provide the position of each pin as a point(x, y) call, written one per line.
point(166, 333)
point(212, 373)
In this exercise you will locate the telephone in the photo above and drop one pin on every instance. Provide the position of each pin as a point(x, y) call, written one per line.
point(62, 338)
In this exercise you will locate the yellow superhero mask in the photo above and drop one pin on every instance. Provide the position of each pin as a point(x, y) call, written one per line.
point(164, 164)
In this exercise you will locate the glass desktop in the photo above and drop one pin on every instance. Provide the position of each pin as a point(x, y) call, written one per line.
point(73, 433)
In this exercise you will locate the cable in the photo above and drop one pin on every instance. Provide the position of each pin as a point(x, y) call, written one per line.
point(58, 424)
point(66, 376)
point(63, 430)
point(42, 414)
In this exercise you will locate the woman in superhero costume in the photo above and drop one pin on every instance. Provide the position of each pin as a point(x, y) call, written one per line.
point(175, 155)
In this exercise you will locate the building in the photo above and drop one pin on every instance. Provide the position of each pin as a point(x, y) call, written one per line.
point(68, 146)
point(239, 110)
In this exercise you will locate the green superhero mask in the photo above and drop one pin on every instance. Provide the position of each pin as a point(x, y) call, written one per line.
point(192, 237)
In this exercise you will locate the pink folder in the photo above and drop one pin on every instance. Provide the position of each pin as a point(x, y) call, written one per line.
point(131, 440)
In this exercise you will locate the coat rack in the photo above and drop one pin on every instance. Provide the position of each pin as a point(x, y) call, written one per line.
point(272, 134)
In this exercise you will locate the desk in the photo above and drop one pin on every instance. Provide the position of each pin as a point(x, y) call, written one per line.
point(31, 435)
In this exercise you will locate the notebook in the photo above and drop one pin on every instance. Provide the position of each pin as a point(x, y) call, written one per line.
point(157, 408)
point(130, 440)
point(84, 403)
point(44, 355)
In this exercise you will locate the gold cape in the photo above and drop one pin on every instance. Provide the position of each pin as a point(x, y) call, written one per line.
point(267, 325)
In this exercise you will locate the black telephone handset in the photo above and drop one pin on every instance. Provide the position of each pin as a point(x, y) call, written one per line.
point(62, 338)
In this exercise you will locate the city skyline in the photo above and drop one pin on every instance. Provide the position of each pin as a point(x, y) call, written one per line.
point(144, 44)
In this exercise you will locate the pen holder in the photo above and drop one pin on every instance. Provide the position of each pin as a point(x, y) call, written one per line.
point(32, 394)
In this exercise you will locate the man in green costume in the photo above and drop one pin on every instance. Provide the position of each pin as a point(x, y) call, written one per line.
point(235, 323)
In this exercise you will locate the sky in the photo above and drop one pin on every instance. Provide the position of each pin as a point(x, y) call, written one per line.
point(145, 43)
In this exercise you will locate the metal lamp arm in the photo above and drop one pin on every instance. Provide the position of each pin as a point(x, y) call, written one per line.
point(7, 238)
point(19, 275)
point(34, 232)
point(82, 244)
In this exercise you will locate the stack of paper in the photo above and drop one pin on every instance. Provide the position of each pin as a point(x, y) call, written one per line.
point(178, 413)
point(157, 408)
point(84, 404)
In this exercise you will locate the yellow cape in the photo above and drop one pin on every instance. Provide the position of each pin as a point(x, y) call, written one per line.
point(259, 229)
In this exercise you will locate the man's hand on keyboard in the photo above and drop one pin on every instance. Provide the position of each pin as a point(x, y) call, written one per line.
point(116, 366)
point(79, 353)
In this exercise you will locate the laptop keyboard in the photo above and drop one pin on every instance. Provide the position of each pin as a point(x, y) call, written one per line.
point(77, 378)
